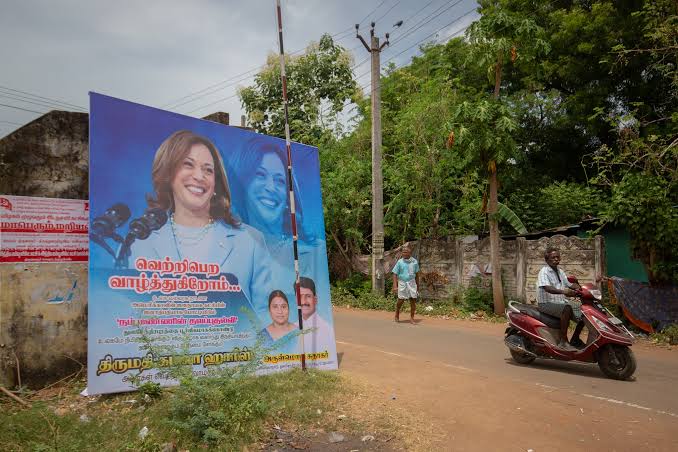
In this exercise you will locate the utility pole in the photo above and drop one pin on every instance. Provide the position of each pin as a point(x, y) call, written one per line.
point(377, 178)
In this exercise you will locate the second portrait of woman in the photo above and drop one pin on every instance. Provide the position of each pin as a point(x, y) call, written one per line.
point(258, 171)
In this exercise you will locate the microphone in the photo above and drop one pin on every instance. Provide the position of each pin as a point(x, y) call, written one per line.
point(105, 225)
point(140, 229)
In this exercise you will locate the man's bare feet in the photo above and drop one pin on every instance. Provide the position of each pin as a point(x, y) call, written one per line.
point(396, 319)
point(412, 321)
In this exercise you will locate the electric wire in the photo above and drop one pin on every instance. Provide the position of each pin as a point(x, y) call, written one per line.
point(54, 101)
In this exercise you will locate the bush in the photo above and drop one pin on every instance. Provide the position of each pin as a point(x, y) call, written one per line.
point(476, 299)
point(669, 335)
point(362, 300)
point(355, 284)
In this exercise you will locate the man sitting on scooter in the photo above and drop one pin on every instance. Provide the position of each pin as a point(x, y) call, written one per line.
point(552, 288)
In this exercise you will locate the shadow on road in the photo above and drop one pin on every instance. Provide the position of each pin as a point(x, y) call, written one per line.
point(568, 367)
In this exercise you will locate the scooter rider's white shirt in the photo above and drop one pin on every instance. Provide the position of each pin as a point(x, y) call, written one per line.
point(548, 277)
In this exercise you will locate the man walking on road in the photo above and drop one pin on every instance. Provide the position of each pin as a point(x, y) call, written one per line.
point(406, 281)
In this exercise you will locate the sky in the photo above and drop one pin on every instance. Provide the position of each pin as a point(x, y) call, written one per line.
point(187, 56)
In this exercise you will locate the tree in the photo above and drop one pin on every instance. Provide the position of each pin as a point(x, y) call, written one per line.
point(319, 82)
point(641, 167)
point(485, 126)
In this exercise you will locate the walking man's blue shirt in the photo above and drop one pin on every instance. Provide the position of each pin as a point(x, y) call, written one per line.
point(406, 269)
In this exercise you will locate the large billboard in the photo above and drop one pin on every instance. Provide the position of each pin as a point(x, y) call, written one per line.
point(191, 248)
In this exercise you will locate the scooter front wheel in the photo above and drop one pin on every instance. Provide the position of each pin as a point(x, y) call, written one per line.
point(617, 361)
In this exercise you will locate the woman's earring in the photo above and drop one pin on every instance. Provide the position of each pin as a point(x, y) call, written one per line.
point(214, 194)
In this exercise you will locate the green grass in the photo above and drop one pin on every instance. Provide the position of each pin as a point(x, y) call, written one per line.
point(217, 413)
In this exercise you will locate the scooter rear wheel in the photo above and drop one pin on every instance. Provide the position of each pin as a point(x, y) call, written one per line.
point(617, 361)
point(521, 358)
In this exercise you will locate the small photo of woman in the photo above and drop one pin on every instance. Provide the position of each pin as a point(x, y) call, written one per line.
point(190, 183)
point(279, 310)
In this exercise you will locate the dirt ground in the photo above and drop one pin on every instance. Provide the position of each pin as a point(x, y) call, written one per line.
point(457, 380)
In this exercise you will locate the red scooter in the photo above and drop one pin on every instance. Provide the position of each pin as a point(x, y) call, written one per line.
point(532, 334)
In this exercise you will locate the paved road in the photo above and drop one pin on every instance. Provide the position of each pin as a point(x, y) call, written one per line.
point(459, 375)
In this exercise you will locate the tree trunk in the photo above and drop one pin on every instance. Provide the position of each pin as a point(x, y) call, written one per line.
point(495, 261)
point(497, 75)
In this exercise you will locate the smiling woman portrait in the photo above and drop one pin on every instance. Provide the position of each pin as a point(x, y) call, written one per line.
point(190, 183)
point(279, 309)
point(261, 197)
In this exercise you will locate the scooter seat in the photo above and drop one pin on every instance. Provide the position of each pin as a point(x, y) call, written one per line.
point(532, 311)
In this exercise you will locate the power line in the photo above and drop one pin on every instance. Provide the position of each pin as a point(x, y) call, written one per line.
point(429, 36)
point(54, 101)
point(217, 86)
point(24, 109)
point(388, 11)
point(412, 30)
point(372, 12)
point(24, 99)
point(355, 66)
point(417, 25)
point(367, 85)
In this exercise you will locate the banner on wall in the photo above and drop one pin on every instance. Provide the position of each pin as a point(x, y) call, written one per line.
point(191, 246)
point(40, 230)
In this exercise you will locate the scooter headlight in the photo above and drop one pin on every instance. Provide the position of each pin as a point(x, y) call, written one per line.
point(596, 294)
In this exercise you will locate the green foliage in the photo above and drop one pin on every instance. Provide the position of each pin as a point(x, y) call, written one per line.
point(669, 335)
point(510, 217)
point(150, 389)
point(362, 300)
point(356, 284)
point(198, 407)
point(478, 299)
point(461, 304)
point(557, 204)
point(590, 82)
point(219, 413)
point(321, 76)
point(484, 131)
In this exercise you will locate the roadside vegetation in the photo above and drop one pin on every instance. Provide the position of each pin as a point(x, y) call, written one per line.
point(289, 409)
point(471, 303)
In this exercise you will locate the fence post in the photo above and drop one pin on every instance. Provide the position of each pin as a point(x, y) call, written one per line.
point(521, 267)
point(599, 257)
point(459, 260)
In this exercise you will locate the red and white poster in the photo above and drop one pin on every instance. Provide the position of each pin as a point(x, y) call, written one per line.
point(43, 229)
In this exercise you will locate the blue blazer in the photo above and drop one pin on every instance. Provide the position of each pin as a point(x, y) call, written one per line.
point(240, 251)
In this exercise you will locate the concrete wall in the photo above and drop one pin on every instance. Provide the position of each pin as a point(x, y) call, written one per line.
point(449, 264)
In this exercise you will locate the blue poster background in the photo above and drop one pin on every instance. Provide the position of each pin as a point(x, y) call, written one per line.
point(124, 138)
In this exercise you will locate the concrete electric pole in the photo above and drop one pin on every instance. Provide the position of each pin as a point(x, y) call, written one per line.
point(377, 179)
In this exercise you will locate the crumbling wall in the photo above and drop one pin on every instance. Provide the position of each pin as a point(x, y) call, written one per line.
point(48, 157)
point(43, 321)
